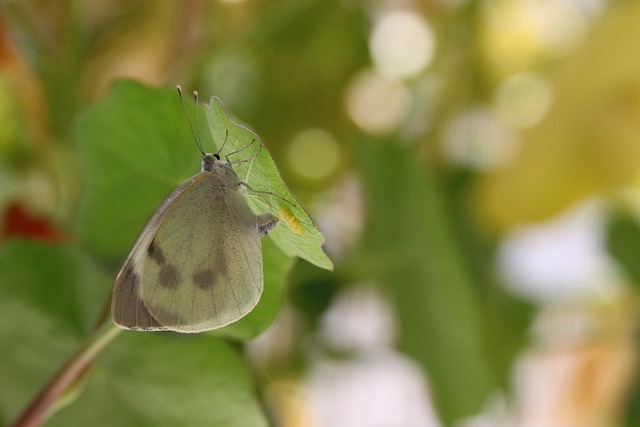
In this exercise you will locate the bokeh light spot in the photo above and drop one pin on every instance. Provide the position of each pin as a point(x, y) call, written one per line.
point(314, 154)
point(402, 44)
point(523, 99)
point(376, 103)
point(477, 139)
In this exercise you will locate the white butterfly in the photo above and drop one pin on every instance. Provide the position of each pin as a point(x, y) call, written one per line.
point(197, 265)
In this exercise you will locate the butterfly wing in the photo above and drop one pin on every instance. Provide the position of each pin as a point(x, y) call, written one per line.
point(197, 265)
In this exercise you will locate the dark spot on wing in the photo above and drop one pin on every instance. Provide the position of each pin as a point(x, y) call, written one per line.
point(155, 253)
point(204, 279)
point(169, 276)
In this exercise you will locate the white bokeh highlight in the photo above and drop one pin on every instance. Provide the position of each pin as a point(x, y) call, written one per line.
point(402, 44)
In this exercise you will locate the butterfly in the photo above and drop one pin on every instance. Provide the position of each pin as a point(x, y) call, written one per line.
point(197, 265)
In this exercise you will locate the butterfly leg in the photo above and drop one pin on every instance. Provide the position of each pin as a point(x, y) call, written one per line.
point(265, 192)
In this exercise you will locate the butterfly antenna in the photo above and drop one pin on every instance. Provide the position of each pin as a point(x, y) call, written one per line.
point(196, 98)
point(184, 109)
point(226, 136)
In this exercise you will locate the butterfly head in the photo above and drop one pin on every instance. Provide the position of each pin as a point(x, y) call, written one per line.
point(209, 160)
point(221, 168)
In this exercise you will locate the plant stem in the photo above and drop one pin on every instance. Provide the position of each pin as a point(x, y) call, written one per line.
point(40, 408)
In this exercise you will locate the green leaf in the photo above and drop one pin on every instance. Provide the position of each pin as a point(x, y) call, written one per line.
point(623, 243)
point(50, 296)
point(59, 280)
point(136, 148)
point(146, 379)
point(410, 248)
point(297, 235)
point(141, 379)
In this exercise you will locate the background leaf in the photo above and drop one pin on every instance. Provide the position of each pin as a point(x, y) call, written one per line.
point(623, 243)
point(50, 296)
point(427, 279)
point(163, 380)
point(136, 148)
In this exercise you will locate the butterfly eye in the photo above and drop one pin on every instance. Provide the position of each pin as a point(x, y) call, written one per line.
point(217, 156)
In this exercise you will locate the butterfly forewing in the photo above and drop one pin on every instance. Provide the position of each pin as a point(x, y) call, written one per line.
point(198, 264)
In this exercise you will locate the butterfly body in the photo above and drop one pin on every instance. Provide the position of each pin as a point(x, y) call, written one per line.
point(197, 265)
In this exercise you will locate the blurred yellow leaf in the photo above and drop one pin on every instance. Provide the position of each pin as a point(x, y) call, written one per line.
point(589, 141)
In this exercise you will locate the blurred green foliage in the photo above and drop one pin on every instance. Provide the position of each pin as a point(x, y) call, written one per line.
point(82, 168)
